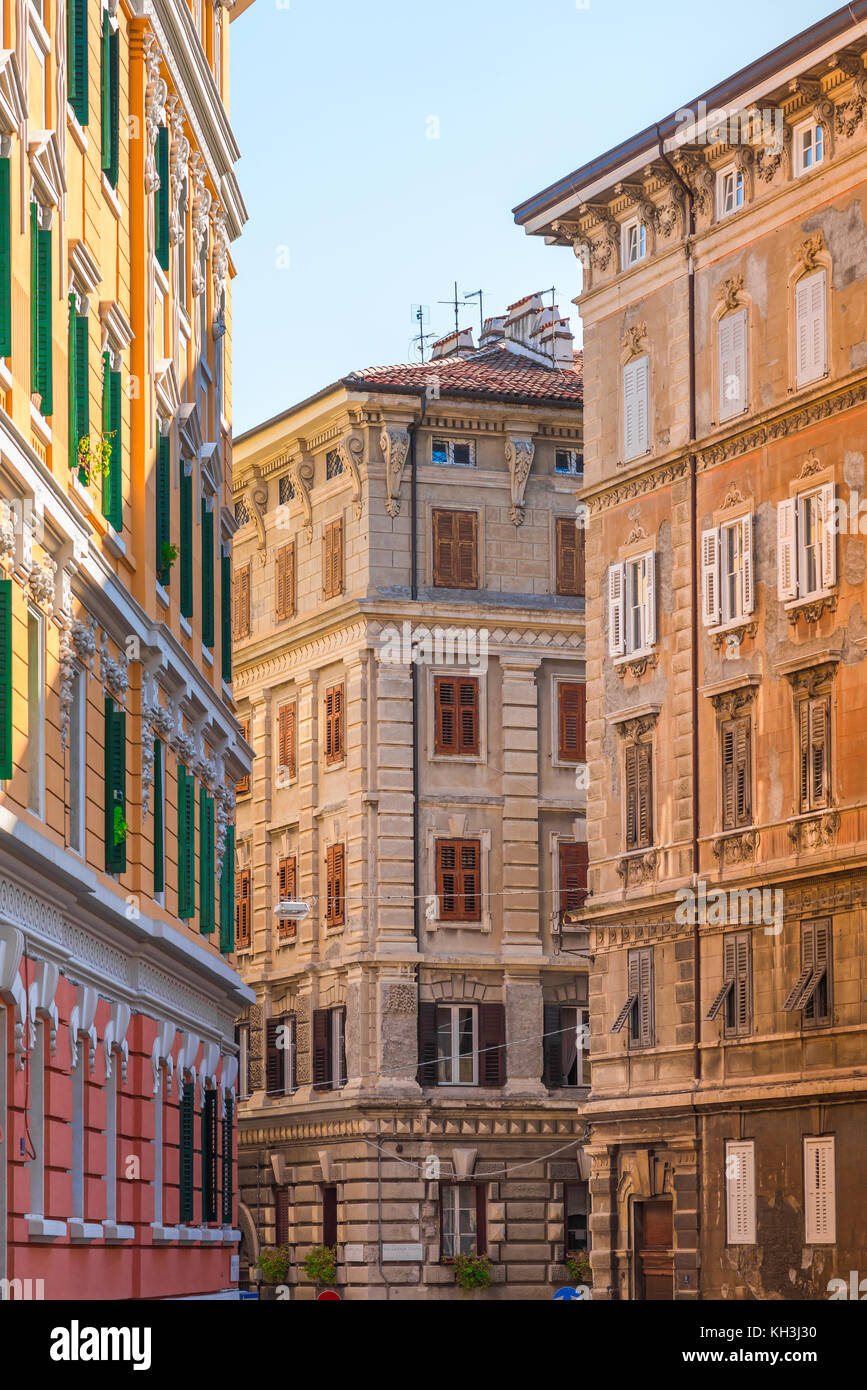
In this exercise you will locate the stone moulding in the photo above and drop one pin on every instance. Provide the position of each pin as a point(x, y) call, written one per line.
point(782, 427)
point(637, 869)
point(815, 832)
point(637, 666)
point(737, 848)
point(812, 610)
point(738, 632)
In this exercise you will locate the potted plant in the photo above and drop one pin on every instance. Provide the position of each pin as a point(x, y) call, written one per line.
point(168, 555)
point(121, 829)
point(273, 1265)
point(578, 1265)
point(320, 1265)
point(473, 1272)
point(93, 457)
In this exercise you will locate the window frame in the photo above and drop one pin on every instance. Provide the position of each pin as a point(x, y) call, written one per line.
point(808, 802)
point(478, 1205)
point(333, 574)
point(566, 527)
point(575, 457)
point(449, 460)
point(459, 752)
point(630, 226)
point(642, 421)
point(640, 1038)
point(570, 1247)
point(458, 914)
point(803, 164)
point(454, 581)
point(563, 757)
point(730, 171)
point(453, 1058)
point(737, 820)
point(334, 724)
point(637, 843)
point(335, 901)
point(287, 733)
point(812, 1235)
point(740, 1232)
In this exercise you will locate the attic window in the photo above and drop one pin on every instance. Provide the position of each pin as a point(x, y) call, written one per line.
point(809, 146)
point(729, 192)
point(459, 453)
point(286, 491)
point(569, 461)
point(634, 242)
point(242, 513)
point(333, 464)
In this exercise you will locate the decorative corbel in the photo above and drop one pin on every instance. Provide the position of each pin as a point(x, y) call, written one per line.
point(730, 292)
point(41, 1003)
point(115, 1038)
point(201, 207)
point(256, 497)
point(41, 584)
point(849, 114)
point(519, 457)
point(351, 451)
point(179, 157)
point(394, 442)
point(114, 674)
point(187, 1059)
point(162, 1052)
point(301, 479)
point(81, 1024)
point(155, 109)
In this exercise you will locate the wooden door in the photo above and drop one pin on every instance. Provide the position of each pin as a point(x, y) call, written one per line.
point(654, 1245)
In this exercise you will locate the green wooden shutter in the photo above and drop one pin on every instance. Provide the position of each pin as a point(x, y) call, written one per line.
point(5, 679)
point(5, 261)
point(112, 422)
point(207, 575)
point(227, 894)
point(79, 369)
point(226, 615)
point(210, 1157)
point(162, 197)
point(228, 1165)
point(159, 821)
point(187, 1149)
point(206, 862)
point(40, 312)
point(186, 843)
point(115, 788)
point(76, 44)
point(73, 390)
point(163, 481)
point(110, 100)
point(186, 543)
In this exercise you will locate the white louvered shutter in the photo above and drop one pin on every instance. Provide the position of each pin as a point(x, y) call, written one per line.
point(642, 404)
point(710, 606)
point(630, 423)
point(748, 600)
point(741, 1193)
point(829, 538)
point(810, 327)
point(616, 628)
point(648, 614)
point(787, 554)
point(820, 1191)
point(733, 365)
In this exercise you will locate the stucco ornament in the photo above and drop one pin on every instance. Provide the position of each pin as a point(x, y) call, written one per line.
point(41, 584)
point(633, 340)
point(179, 160)
point(730, 292)
point(155, 110)
point(351, 451)
point(83, 635)
point(114, 674)
point(256, 497)
point(224, 804)
point(301, 480)
point(200, 219)
point(7, 531)
point(394, 442)
point(519, 457)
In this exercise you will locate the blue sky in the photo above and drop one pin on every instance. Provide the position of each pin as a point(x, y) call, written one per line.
point(356, 213)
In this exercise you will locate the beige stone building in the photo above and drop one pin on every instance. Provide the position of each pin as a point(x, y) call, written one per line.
point(724, 305)
point(409, 661)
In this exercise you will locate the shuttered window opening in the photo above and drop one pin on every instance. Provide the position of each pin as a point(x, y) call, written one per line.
point(284, 565)
point(280, 1055)
point(242, 787)
point(732, 364)
point(565, 1046)
point(569, 558)
point(806, 545)
point(243, 905)
point(332, 560)
point(820, 1191)
point(811, 342)
point(227, 894)
point(287, 891)
point(112, 434)
point(159, 818)
point(335, 886)
point(5, 260)
point(736, 750)
point(459, 884)
point(636, 408)
point(329, 1217)
point(456, 716)
point(163, 509)
point(7, 766)
point(207, 863)
point(334, 750)
point(735, 993)
point(79, 394)
point(210, 1159)
point(329, 1049)
point(41, 299)
point(571, 720)
point(77, 65)
point(208, 505)
point(728, 591)
point(638, 1009)
point(241, 602)
point(462, 1045)
point(811, 993)
point(226, 616)
point(115, 788)
point(110, 99)
point(740, 1174)
point(463, 1220)
point(572, 864)
point(186, 541)
point(228, 1159)
point(286, 744)
point(639, 796)
point(632, 606)
point(161, 198)
point(187, 1151)
point(186, 843)
point(455, 550)
point(281, 1217)
point(814, 753)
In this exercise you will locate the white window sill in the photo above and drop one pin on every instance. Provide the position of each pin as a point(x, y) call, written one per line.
point(40, 1228)
point(485, 926)
point(187, 1235)
point(113, 1232)
point(76, 129)
point(185, 627)
point(812, 380)
point(40, 424)
point(162, 279)
point(79, 1230)
point(804, 600)
point(114, 544)
point(475, 760)
point(730, 624)
point(230, 1237)
point(211, 1236)
point(639, 654)
point(162, 596)
point(163, 1235)
point(207, 654)
point(111, 198)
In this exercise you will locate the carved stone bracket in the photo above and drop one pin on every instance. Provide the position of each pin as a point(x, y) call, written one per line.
point(818, 832)
point(394, 442)
point(519, 457)
point(769, 159)
point(114, 674)
point(7, 532)
point(351, 451)
point(736, 634)
point(638, 666)
point(155, 110)
point(41, 584)
point(730, 292)
point(810, 681)
point(179, 158)
point(301, 479)
point(696, 173)
point(201, 207)
point(256, 497)
point(224, 798)
point(738, 848)
point(637, 869)
point(812, 611)
point(83, 637)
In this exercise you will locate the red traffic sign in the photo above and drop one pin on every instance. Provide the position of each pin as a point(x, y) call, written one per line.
point(329, 1296)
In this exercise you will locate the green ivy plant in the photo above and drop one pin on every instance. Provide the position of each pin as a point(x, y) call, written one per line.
point(320, 1264)
point(94, 456)
point(473, 1272)
point(121, 829)
point(168, 555)
point(578, 1266)
point(275, 1264)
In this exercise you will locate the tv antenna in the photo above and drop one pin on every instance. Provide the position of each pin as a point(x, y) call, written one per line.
point(480, 296)
point(456, 305)
point(421, 314)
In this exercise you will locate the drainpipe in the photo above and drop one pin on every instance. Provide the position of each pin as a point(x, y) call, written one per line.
point(413, 541)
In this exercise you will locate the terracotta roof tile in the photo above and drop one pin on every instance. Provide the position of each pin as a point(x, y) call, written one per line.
point(497, 374)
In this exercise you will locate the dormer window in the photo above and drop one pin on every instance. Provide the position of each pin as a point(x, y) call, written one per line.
point(459, 453)
point(634, 242)
point(729, 192)
point(809, 146)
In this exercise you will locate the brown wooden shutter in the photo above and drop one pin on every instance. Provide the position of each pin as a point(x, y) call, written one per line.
point(467, 550)
point(727, 736)
point(287, 891)
point(459, 886)
point(492, 1044)
point(631, 799)
point(427, 1044)
point(242, 909)
point(332, 559)
point(241, 602)
point(281, 1216)
point(242, 788)
point(321, 1050)
point(645, 997)
point(273, 1059)
point(329, 1216)
point(445, 715)
point(335, 886)
point(481, 1218)
point(819, 748)
point(468, 717)
point(455, 550)
point(286, 741)
point(552, 1046)
point(447, 879)
point(444, 567)
point(804, 744)
point(470, 884)
point(572, 698)
point(285, 582)
point(743, 774)
point(573, 875)
point(343, 1072)
point(645, 796)
point(334, 724)
point(743, 984)
point(570, 558)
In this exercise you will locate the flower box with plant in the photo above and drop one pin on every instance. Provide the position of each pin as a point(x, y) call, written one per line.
point(168, 555)
point(578, 1265)
point(472, 1272)
point(320, 1264)
point(121, 829)
point(94, 457)
point(275, 1264)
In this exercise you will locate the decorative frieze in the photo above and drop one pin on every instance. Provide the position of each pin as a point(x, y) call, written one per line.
point(114, 673)
point(782, 427)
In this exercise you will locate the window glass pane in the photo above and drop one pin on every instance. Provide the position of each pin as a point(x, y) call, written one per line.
point(577, 1207)
point(465, 1045)
point(569, 1045)
point(444, 1046)
point(466, 1220)
point(462, 454)
point(449, 1197)
point(440, 452)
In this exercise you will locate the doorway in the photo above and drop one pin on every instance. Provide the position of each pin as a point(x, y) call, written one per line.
point(654, 1250)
